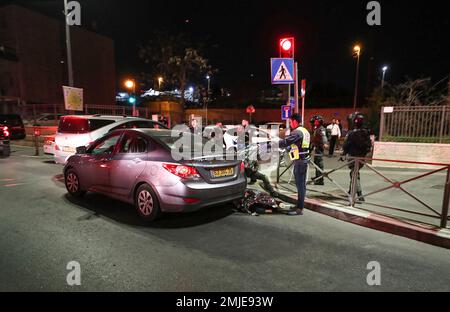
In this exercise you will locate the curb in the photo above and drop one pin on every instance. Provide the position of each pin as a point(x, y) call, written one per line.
point(416, 231)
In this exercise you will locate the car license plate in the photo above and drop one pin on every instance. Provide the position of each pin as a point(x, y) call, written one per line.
point(220, 173)
point(69, 149)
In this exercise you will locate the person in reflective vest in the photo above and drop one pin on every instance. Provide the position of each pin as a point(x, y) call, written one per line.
point(297, 145)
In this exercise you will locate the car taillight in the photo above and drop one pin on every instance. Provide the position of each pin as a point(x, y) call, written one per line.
point(191, 200)
point(5, 132)
point(182, 171)
point(242, 167)
point(56, 147)
point(49, 140)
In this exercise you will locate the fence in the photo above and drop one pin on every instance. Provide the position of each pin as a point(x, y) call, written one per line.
point(427, 124)
point(31, 112)
point(422, 208)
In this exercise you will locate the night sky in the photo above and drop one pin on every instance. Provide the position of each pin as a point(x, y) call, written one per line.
point(242, 35)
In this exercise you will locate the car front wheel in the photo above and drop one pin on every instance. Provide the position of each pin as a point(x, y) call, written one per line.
point(146, 203)
point(73, 184)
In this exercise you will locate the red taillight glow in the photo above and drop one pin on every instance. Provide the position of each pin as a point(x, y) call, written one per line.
point(191, 200)
point(49, 140)
point(56, 147)
point(242, 167)
point(184, 172)
point(5, 132)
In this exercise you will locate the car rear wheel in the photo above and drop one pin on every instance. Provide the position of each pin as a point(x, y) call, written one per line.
point(73, 184)
point(146, 203)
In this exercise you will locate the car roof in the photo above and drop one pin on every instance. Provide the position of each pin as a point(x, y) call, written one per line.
point(151, 132)
point(148, 131)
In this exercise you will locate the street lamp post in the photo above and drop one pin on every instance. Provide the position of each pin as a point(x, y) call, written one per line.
point(357, 51)
point(160, 80)
point(207, 99)
point(68, 47)
point(385, 68)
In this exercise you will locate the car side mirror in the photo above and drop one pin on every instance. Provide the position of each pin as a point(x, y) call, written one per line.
point(81, 150)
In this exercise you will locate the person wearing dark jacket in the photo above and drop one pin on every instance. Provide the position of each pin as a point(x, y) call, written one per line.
point(357, 144)
point(318, 144)
point(298, 144)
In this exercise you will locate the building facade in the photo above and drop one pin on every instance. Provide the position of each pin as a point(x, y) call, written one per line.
point(33, 64)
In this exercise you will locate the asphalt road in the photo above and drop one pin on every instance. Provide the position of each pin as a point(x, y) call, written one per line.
point(42, 229)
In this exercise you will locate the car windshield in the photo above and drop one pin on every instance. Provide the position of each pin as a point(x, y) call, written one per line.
point(170, 139)
point(95, 124)
point(74, 124)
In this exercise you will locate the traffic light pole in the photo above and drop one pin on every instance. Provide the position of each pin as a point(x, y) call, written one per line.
point(296, 88)
point(288, 126)
point(134, 95)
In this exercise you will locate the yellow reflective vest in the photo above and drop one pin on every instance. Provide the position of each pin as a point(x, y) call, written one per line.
point(295, 153)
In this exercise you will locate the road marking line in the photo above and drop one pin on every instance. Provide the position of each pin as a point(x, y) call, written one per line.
point(13, 185)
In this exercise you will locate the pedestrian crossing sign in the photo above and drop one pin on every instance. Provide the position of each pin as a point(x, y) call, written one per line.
point(282, 70)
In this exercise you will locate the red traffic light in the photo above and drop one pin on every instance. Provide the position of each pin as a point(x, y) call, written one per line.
point(286, 44)
point(287, 47)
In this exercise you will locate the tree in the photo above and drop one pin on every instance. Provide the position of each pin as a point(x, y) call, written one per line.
point(176, 58)
point(419, 92)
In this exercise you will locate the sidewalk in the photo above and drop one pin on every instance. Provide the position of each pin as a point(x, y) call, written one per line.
point(331, 199)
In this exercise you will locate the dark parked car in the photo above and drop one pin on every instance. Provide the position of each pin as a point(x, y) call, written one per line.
point(4, 141)
point(15, 125)
point(138, 166)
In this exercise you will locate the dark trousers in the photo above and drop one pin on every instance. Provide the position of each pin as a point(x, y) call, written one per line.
point(318, 161)
point(300, 170)
point(353, 168)
point(255, 175)
point(333, 141)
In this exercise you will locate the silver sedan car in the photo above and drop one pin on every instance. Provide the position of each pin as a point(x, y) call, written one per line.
point(137, 166)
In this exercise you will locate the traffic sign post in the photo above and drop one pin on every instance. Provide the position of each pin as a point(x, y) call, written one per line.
point(286, 112)
point(303, 95)
point(292, 102)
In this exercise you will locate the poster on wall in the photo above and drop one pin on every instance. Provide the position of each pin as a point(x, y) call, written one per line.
point(73, 98)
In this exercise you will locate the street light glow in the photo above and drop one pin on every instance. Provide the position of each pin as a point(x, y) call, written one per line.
point(129, 84)
point(208, 77)
point(357, 49)
point(385, 68)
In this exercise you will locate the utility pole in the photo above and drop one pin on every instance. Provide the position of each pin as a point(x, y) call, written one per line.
point(69, 47)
